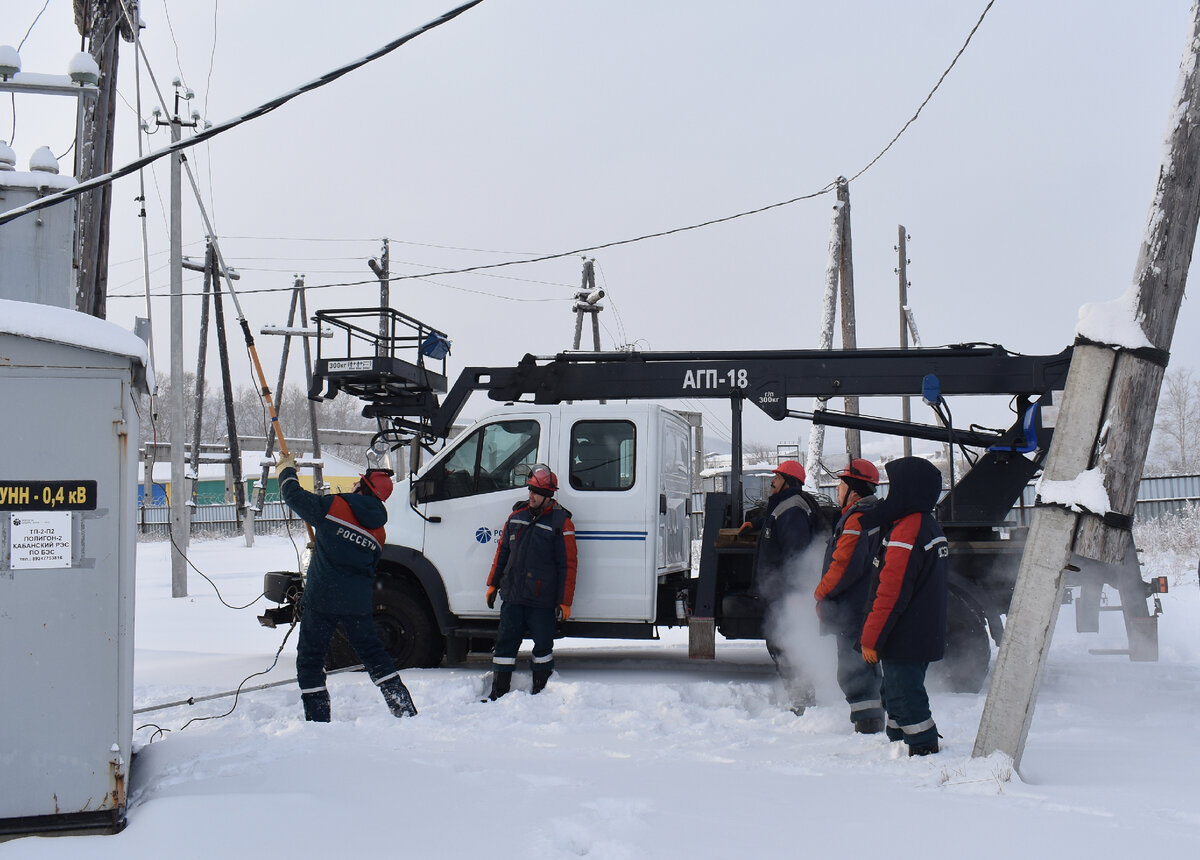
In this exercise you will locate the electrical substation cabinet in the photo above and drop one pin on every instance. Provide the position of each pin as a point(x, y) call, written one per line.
point(71, 386)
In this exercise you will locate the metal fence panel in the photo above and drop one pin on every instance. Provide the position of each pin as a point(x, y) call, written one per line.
point(221, 520)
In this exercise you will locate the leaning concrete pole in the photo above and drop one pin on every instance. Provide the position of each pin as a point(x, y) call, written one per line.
point(1104, 422)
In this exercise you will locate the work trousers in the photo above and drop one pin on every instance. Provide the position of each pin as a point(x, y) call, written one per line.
point(858, 679)
point(517, 621)
point(907, 703)
point(317, 628)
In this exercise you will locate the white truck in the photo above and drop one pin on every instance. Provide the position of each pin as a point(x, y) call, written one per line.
point(625, 467)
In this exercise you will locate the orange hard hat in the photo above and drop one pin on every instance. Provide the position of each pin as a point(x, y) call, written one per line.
point(863, 470)
point(541, 480)
point(378, 482)
point(791, 469)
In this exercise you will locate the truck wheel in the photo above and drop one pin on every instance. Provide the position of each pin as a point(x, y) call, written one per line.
point(968, 648)
point(406, 626)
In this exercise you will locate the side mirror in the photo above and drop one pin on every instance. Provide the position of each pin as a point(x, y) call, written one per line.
point(421, 491)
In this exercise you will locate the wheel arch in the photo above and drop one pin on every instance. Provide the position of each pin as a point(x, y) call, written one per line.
point(970, 593)
point(407, 563)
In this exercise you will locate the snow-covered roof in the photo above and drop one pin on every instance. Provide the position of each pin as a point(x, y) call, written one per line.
point(60, 325)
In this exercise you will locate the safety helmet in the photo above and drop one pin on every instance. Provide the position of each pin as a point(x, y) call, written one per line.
point(863, 470)
point(541, 480)
point(791, 469)
point(378, 482)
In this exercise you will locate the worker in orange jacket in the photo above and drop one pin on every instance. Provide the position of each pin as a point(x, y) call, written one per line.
point(842, 592)
point(533, 572)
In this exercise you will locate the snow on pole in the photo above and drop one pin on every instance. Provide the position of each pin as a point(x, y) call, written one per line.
point(816, 433)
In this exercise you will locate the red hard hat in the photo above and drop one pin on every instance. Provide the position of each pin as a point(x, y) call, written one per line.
point(542, 479)
point(379, 482)
point(863, 470)
point(792, 469)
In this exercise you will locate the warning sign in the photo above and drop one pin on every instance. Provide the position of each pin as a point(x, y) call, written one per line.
point(39, 539)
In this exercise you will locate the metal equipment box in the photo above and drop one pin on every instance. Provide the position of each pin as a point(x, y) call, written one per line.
point(69, 385)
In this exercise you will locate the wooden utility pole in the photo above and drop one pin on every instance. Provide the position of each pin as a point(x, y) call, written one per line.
point(902, 271)
point(1113, 386)
point(849, 332)
point(103, 25)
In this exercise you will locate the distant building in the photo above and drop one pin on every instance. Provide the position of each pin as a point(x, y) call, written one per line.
point(214, 487)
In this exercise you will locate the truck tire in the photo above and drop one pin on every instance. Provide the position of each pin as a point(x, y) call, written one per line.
point(968, 648)
point(406, 626)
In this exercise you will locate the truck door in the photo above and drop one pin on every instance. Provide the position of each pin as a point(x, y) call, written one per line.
point(473, 488)
point(674, 545)
point(609, 495)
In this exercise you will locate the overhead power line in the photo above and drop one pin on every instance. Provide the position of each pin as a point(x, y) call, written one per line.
point(222, 127)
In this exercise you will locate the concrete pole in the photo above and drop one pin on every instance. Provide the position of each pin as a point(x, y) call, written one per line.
point(1114, 386)
point(902, 271)
point(180, 527)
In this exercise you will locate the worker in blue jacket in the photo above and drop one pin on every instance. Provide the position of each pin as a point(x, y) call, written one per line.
point(533, 572)
point(905, 628)
point(788, 526)
point(348, 539)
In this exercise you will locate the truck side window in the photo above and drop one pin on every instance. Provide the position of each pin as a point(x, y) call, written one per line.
point(602, 455)
point(486, 461)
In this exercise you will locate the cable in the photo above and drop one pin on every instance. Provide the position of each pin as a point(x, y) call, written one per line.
point(222, 127)
point(12, 137)
point(238, 692)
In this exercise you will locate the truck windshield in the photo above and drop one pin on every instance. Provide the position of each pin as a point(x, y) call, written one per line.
point(486, 461)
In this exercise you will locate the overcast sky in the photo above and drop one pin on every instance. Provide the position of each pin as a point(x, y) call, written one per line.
point(530, 127)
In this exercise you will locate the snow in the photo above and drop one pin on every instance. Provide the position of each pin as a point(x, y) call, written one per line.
point(1085, 493)
point(1115, 322)
point(61, 325)
point(632, 751)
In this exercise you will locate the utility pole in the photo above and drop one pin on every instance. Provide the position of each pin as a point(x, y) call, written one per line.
point(849, 335)
point(816, 432)
point(383, 271)
point(587, 301)
point(902, 271)
point(180, 525)
point(103, 24)
point(1104, 423)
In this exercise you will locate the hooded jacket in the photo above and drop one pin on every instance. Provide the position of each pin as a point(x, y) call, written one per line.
point(906, 619)
point(348, 537)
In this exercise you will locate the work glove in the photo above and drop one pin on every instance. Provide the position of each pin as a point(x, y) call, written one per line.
point(746, 526)
point(491, 597)
point(870, 654)
point(286, 461)
point(562, 612)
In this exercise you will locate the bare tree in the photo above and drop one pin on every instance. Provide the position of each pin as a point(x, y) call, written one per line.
point(1176, 445)
point(754, 453)
point(155, 423)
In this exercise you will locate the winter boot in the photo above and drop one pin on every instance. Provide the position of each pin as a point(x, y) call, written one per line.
point(869, 726)
point(540, 677)
point(501, 682)
point(316, 705)
point(396, 695)
point(924, 749)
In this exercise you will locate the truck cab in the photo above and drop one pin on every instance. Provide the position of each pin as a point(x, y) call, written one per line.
point(624, 473)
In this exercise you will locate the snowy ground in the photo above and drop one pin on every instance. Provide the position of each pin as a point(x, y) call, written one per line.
point(633, 751)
